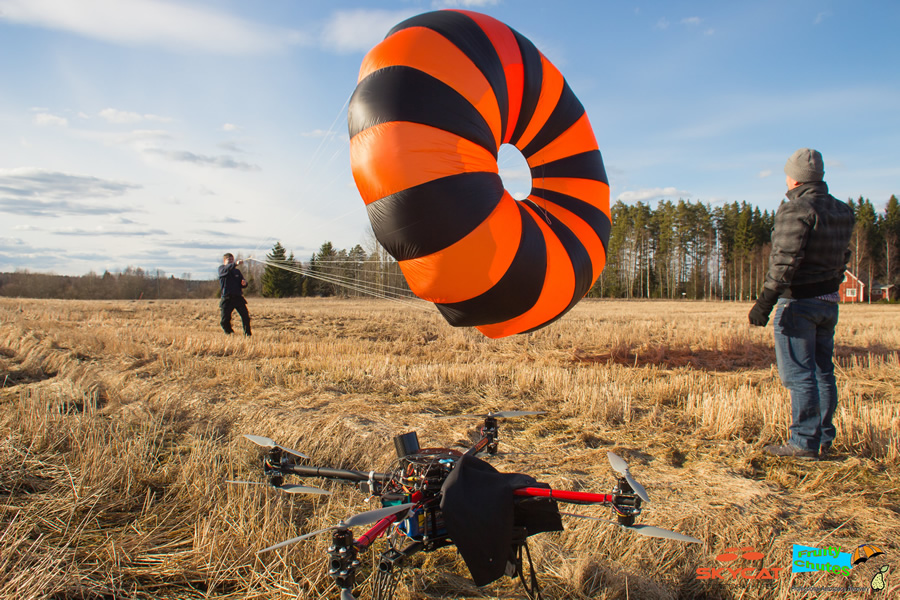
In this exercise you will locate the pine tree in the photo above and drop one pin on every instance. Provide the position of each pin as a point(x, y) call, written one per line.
point(866, 241)
point(890, 225)
point(297, 277)
point(326, 260)
point(276, 281)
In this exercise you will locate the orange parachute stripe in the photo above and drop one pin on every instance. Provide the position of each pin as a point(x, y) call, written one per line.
point(392, 157)
point(575, 140)
point(431, 53)
point(504, 41)
point(550, 92)
point(460, 271)
point(559, 282)
point(595, 193)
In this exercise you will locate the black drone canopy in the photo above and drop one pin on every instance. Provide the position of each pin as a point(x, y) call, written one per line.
point(481, 513)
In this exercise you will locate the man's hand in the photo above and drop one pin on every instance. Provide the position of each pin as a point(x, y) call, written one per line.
point(759, 314)
point(240, 262)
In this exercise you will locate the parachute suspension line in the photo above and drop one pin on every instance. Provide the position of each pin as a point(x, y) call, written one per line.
point(328, 135)
point(397, 294)
point(386, 292)
point(400, 291)
point(543, 204)
point(349, 282)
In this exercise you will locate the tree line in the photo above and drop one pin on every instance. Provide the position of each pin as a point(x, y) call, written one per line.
point(693, 250)
point(133, 283)
point(677, 249)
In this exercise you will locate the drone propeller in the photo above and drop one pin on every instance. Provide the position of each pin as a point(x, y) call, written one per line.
point(289, 488)
point(621, 467)
point(267, 443)
point(648, 530)
point(364, 518)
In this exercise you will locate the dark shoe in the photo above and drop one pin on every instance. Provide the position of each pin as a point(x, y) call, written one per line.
point(791, 451)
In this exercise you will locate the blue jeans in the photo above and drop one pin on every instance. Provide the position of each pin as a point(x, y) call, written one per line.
point(804, 346)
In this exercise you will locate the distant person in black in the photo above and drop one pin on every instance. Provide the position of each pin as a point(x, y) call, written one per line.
point(232, 283)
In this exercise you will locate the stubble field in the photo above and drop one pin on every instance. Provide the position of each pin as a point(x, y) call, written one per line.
point(121, 421)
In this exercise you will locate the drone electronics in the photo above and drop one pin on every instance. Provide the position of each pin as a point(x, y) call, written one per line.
point(436, 497)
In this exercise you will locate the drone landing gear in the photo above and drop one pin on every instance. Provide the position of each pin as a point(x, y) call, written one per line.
point(390, 568)
point(528, 580)
point(342, 560)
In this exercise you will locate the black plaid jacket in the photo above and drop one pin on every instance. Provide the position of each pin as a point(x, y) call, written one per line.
point(810, 243)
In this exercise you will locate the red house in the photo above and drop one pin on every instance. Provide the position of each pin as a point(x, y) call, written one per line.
point(852, 289)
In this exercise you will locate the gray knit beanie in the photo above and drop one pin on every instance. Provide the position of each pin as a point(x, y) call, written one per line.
point(805, 165)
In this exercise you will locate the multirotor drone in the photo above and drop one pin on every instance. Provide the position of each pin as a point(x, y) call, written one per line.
point(437, 497)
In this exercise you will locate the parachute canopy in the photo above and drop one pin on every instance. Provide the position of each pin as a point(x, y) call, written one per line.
point(434, 102)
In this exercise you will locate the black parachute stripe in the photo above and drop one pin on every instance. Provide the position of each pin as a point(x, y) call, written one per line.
point(578, 254)
point(594, 217)
point(400, 93)
point(431, 216)
point(585, 165)
point(567, 111)
point(533, 81)
point(516, 292)
point(471, 39)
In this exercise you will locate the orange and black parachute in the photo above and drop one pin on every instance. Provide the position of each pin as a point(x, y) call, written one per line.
point(435, 101)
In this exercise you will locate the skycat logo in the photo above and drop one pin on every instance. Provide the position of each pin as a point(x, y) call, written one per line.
point(740, 570)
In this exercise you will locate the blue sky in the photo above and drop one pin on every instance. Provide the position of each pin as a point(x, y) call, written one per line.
point(160, 134)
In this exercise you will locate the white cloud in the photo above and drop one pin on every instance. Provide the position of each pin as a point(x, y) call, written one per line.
point(39, 192)
point(160, 23)
point(145, 135)
point(231, 147)
point(112, 115)
point(229, 127)
point(515, 174)
point(662, 23)
point(691, 21)
point(317, 133)
point(44, 119)
point(652, 194)
point(821, 17)
point(359, 30)
point(765, 173)
point(102, 231)
point(219, 162)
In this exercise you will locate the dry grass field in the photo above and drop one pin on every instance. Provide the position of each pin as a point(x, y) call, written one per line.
point(120, 422)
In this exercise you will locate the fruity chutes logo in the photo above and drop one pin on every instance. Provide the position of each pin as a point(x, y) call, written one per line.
point(739, 570)
point(829, 559)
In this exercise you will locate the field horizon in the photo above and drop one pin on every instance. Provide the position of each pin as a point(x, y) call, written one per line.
point(122, 420)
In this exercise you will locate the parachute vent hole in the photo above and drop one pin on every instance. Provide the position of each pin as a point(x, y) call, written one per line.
point(514, 172)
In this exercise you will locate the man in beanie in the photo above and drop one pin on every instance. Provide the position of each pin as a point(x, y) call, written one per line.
point(810, 250)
